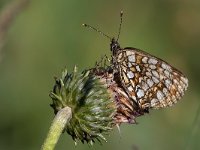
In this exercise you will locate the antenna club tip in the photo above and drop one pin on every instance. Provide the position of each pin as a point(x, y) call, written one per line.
point(121, 12)
point(83, 24)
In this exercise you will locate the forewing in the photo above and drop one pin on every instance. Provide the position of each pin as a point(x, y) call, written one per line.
point(148, 80)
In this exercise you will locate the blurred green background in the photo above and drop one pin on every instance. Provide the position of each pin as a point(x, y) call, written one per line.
point(47, 36)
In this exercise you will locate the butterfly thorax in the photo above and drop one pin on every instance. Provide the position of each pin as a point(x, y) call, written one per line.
point(114, 48)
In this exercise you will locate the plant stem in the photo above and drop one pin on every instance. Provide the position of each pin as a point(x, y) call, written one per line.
point(61, 119)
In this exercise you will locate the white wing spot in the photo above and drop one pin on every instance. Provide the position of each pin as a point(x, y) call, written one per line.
point(165, 66)
point(140, 79)
point(138, 68)
point(119, 56)
point(144, 59)
point(175, 81)
point(130, 88)
point(140, 93)
point(178, 94)
point(180, 89)
point(129, 53)
point(185, 80)
point(155, 73)
point(165, 91)
point(152, 66)
point(130, 74)
point(160, 95)
point(129, 64)
point(148, 74)
point(131, 58)
point(174, 98)
point(134, 98)
point(144, 86)
point(155, 80)
point(152, 61)
point(167, 74)
point(154, 102)
point(167, 83)
point(150, 82)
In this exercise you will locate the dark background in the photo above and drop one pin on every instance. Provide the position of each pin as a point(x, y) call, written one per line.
point(47, 36)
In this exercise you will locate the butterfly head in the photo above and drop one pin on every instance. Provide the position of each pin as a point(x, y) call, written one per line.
point(114, 46)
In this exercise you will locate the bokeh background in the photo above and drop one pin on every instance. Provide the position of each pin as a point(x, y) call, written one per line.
point(45, 36)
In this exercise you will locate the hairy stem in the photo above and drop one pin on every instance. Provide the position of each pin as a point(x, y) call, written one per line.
point(61, 119)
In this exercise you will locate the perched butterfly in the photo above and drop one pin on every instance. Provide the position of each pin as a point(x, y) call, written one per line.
point(149, 81)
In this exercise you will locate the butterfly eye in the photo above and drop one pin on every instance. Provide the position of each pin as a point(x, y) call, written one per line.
point(114, 46)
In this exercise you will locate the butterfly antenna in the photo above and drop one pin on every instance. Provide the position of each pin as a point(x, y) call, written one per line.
point(97, 30)
point(120, 25)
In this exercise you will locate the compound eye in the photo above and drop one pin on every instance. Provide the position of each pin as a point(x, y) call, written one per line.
point(113, 47)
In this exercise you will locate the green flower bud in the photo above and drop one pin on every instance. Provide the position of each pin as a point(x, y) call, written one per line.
point(93, 106)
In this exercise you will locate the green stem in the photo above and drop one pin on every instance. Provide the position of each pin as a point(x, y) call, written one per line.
point(61, 119)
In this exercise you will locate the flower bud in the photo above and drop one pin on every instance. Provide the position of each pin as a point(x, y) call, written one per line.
point(93, 106)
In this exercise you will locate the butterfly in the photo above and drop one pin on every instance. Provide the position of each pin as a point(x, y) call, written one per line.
point(149, 81)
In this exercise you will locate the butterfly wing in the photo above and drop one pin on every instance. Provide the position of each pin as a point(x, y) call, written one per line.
point(148, 80)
